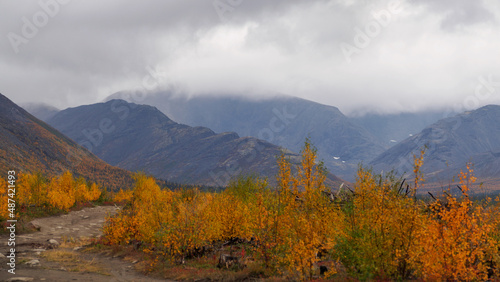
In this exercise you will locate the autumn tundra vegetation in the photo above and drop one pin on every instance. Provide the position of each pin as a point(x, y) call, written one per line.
point(37, 195)
point(298, 229)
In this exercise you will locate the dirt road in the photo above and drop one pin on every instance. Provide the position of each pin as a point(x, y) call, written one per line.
point(39, 260)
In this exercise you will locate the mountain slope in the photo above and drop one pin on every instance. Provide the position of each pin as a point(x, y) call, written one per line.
point(393, 128)
point(28, 144)
point(471, 136)
point(283, 120)
point(41, 111)
point(140, 137)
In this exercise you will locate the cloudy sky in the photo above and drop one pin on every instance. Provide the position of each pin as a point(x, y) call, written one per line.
point(358, 55)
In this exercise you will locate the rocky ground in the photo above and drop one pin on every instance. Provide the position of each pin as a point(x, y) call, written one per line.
point(57, 252)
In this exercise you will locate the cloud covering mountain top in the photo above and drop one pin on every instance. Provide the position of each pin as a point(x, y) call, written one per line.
point(385, 56)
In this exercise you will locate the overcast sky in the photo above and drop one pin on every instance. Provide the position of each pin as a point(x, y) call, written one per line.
point(358, 55)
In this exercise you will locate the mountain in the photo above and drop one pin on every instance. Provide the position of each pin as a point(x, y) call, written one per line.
point(30, 145)
point(282, 120)
point(41, 111)
point(452, 142)
point(140, 137)
point(393, 128)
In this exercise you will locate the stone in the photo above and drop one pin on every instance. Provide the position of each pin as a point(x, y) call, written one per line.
point(53, 243)
point(33, 263)
point(34, 226)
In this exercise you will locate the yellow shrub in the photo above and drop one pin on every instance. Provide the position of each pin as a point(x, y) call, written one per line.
point(93, 193)
point(376, 232)
point(455, 243)
point(120, 229)
point(4, 212)
point(81, 192)
point(31, 189)
point(62, 192)
point(123, 196)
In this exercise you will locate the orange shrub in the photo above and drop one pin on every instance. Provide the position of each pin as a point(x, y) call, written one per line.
point(375, 232)
point(455, 243)
point(123, 196)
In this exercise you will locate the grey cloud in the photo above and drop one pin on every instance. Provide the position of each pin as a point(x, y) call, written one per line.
point(459, 13)
point(92, 48)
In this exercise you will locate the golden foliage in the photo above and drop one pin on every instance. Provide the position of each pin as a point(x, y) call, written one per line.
point(380, 230)
point(123, 196)
point(289, 225)
point(455, 241)
point(4, 212)
point(307, 222)
point(32, 189)
point(63, 192)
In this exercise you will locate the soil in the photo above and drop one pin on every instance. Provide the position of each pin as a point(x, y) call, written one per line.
point(48, 261)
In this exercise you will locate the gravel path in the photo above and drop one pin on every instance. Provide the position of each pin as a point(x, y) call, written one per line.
point(33, 251)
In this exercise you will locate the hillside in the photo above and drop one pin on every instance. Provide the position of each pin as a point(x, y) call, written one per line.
point(141, 138)
point(471, 136)
point(393, 128)
point(28, 144)
point(39, 110)
point(283, 120)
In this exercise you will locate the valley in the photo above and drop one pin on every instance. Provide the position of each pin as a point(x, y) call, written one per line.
point(233, 140)
point(252, 192)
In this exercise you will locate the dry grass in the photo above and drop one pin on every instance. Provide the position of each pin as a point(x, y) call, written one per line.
point(71, 260)
point(70, 242)
point(202, 268)
point(205, 269)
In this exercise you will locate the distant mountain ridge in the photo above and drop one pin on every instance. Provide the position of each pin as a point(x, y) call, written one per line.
point(452, 142)
point(28, 144)
point(471, 136)
point(282, 120)
point(391, 129)
point(140, 137)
